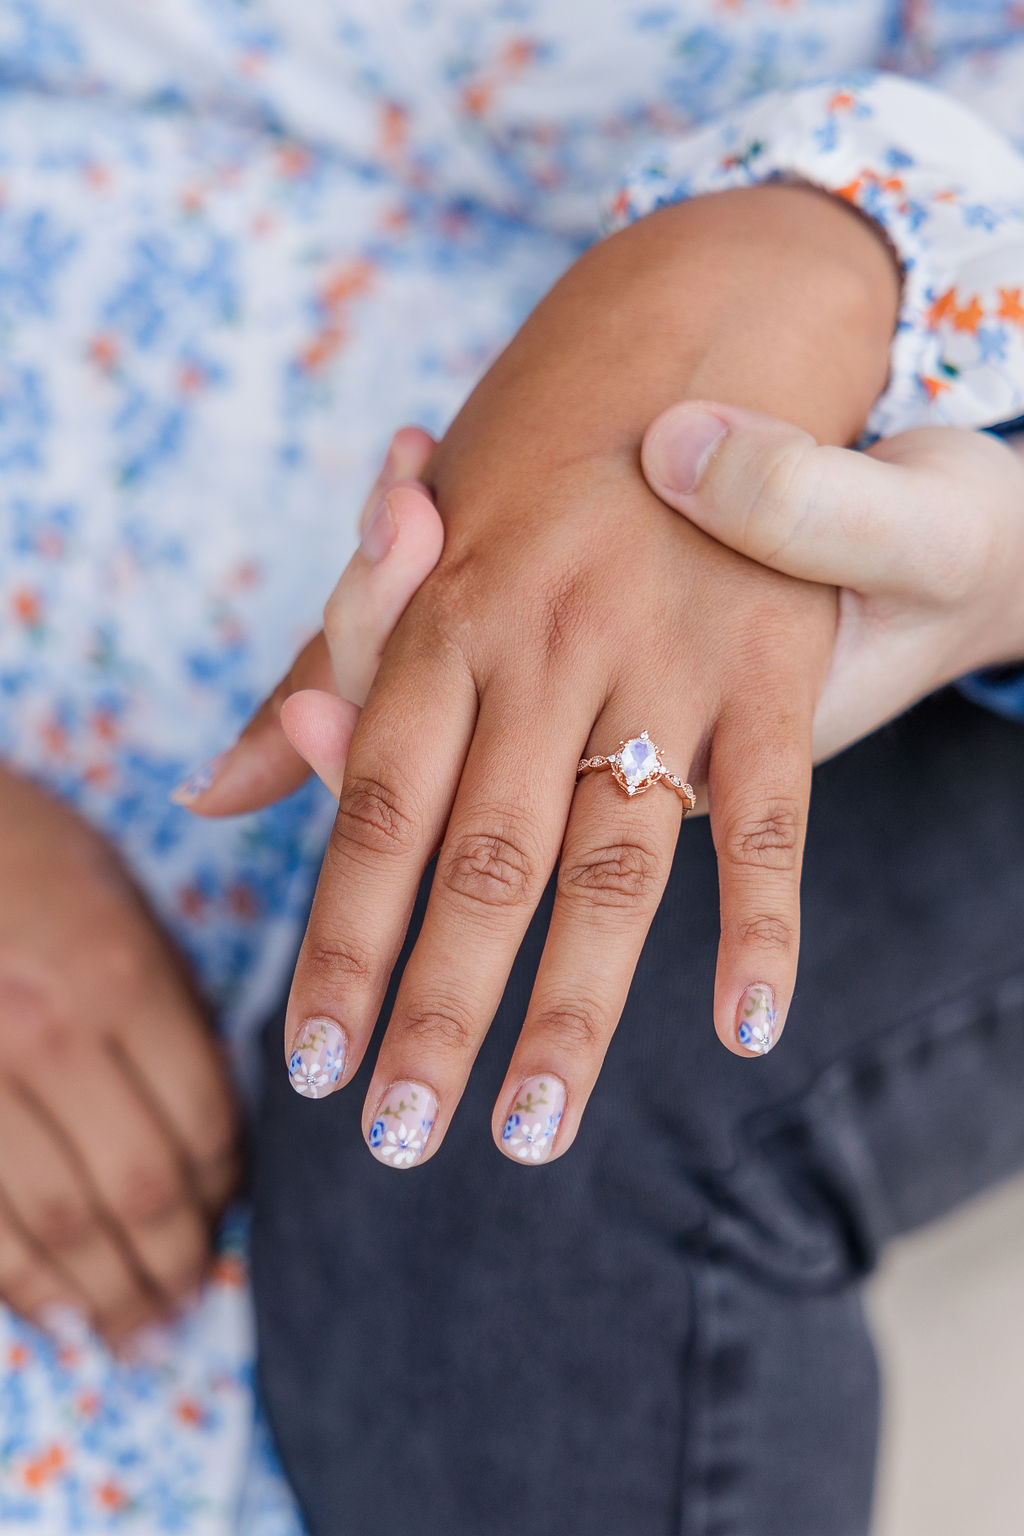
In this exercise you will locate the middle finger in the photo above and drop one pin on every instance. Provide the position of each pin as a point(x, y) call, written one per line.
point(500, 848)
point(613, 870)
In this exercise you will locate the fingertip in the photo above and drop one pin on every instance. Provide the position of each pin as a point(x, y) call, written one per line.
point(419, 528)
point(751, 1023)
point(409, 451)
point(319, 726)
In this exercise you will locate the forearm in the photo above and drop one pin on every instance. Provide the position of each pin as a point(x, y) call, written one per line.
point(779, 298)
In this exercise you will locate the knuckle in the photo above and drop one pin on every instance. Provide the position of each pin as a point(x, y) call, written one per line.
point(490, 869)
point(338, 962)
point(32, 1000)
point(768, 932)
point(148, 1196)
point(786, 486)
point(60, 1222)
point(620, 874)
point(571, 1028)
point(119, 958)
point(445, 1024)
point(766, 839)
point(372, 815)
point(20, 1275)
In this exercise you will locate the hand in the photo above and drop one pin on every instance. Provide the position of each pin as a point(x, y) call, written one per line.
point(527, 632)
point(118, 1137)
point(924, 534)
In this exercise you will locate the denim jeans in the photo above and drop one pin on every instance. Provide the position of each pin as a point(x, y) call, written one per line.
point(662, 1333)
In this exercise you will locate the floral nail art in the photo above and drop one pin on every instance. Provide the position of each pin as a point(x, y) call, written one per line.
point(757, 1020)
point(317, 1060)
point(533, 1121)
point(198, 782)
point(403, 1124)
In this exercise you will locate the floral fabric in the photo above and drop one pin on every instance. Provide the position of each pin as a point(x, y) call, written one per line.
point(241, 241)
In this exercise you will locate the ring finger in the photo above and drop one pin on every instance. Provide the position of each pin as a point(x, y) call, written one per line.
point(614, 867)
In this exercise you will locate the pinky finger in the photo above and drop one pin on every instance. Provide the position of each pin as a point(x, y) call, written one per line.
point(759, 784)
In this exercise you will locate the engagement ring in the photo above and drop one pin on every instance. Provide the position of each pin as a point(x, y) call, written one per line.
point(636, 766)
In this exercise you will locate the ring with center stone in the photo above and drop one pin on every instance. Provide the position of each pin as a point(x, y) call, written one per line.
point(636, 766)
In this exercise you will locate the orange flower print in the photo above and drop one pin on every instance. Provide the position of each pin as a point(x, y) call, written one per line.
point(943, 307)
point(42, 1469)
point(188, 1411)
point(229, 1270)
point(111, 1496)
point(970, 317)
point(1010, 306)
point(104, 352)
point(932, 386)
point(28, 608)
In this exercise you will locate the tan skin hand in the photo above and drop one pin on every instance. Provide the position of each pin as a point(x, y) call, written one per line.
point(118, 1134)
point(571, 609)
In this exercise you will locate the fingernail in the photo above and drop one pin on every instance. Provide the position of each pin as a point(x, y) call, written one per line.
point(402, 1124)
point(379, 534)
point(317, 1061)
point(678, 450)
point(757, 1023)
point(198, 782)
point(533, 1119)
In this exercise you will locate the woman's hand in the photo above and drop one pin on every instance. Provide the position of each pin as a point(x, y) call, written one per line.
point(559, 595)
point(924, 534)
point(563, 617)
point(118, 1135)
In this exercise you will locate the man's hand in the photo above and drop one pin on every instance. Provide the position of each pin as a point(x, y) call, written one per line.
point(118, 1135)
point(924, 534)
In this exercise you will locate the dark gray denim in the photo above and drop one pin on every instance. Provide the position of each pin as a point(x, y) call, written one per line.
point(662, 1334)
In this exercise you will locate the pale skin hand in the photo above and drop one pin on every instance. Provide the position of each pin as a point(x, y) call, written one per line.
point(118, 1135)
point(728, 684)
point(923, 534)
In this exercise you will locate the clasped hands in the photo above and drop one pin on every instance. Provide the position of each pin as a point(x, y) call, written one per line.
point(807, 594)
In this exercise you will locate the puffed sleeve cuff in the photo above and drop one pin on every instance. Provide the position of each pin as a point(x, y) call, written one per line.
point(946, 189)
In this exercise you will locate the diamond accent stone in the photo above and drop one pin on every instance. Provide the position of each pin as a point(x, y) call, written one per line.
point(638, 760)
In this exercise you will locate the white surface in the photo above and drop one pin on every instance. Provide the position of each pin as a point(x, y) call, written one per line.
point(948, 1308)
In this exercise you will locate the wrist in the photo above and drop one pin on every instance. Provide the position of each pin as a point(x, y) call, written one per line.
point(779, 298)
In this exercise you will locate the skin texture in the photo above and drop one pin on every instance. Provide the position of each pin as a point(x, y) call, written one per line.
point(924, 534)
point(118, 1135)
point(520, 653)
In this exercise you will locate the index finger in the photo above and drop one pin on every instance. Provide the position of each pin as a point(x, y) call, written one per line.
point(400, 780)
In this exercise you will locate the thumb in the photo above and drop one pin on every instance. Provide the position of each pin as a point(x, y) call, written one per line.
point(319, 726)
point(868, 521)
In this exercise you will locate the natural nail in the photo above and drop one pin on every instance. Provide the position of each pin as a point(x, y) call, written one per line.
point(679, 448)
point(533, 1119)
point(379, 534)
point(402, 1124)
point(317, 1061)
point(757, 1023)
point(198, 782)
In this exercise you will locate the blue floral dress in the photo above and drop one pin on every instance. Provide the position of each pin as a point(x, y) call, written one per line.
point(240, 242)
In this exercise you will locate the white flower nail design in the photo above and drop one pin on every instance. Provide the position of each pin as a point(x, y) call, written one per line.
point(402, 1125)
point(533, 1120)
point(317, 1062)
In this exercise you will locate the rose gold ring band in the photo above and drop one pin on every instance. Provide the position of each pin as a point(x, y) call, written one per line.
point(636, 766)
